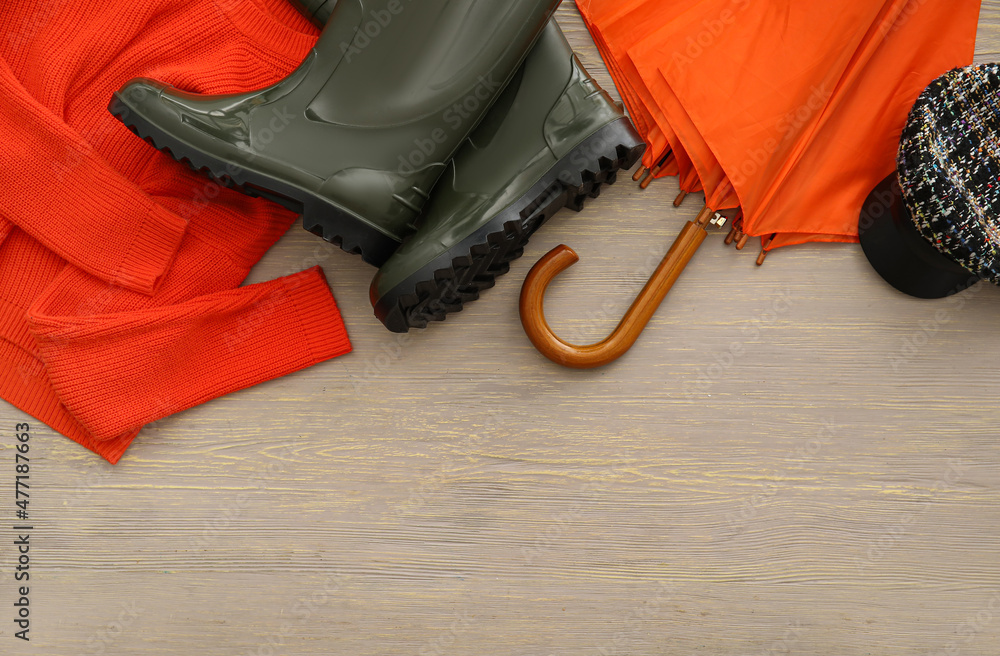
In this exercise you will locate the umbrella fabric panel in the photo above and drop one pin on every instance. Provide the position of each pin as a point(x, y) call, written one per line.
point(790, 109)
point(699, 162)
point(730, 100)
point(616, 26)
point(598, 14)
point(807, 131)
point(856, 148)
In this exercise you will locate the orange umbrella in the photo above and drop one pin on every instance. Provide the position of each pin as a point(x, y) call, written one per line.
point(792, 124)
point(757, 134)
point(616, 25)
point(644, 57)
point(927, 39)
point(776, 65)
point(777, 147)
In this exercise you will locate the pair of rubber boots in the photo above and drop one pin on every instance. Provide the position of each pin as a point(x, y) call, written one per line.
point(431, 137)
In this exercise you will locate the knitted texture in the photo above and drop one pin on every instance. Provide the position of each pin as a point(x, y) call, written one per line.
point(120, 269)
point(949, 163)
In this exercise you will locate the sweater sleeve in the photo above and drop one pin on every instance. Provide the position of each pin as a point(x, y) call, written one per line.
point(65, 195)
point(117, 372)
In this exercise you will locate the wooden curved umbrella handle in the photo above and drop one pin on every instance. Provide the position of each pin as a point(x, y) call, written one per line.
point(631, 326)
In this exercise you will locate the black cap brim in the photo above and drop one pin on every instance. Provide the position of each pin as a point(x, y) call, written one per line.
point(900, 253)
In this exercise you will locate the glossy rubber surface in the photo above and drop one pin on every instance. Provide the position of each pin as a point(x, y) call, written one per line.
point(445, 284)
point(360, 133)
point(317, 10)
point(552, 139)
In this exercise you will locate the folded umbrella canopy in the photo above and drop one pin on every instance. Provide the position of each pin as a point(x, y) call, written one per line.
point(616, 25)
point(809, 105)
point(646, 55)
point(790, 110)
point(855, 148)
point(749, 90)
point(748, 124)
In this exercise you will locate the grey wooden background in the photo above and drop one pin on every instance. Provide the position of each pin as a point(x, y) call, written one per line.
point(832, 489)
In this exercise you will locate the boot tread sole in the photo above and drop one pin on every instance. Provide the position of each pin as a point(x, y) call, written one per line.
point(319, 216)
point(433, 293)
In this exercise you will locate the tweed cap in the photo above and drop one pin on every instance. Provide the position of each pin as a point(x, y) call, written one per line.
point(949, 167)
point(948, 190)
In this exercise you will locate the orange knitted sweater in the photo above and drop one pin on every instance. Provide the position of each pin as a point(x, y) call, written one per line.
point(120, 269)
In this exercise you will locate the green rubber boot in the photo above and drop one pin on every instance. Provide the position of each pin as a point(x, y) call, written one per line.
point(551, 141)
point(355, 138)
point(319, 11)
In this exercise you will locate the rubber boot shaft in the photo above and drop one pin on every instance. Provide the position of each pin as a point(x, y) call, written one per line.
point(359, 134)
point(318, 11)
point(552, 140)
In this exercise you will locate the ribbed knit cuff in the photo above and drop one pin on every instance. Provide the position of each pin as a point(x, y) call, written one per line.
point(160, 234)
point(110, 450)
point(116, 373)
point(321, 327)
point(23, 384)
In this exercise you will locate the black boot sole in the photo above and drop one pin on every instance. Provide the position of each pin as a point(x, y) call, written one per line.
point(457, 277)
point(319, 215)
